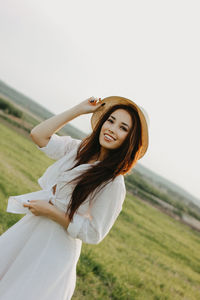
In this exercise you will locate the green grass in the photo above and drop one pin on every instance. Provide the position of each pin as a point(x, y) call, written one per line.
point(147, 255)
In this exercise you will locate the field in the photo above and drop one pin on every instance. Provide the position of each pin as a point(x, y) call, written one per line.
point(146, 256)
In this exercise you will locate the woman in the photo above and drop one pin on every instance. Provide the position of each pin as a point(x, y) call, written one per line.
point(82, 195)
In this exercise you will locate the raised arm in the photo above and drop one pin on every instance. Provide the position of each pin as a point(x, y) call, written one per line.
point(42, 132)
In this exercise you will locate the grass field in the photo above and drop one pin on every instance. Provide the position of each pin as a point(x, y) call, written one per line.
point(147, 255)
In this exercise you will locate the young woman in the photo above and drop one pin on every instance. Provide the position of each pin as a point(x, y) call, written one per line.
point(82, 195)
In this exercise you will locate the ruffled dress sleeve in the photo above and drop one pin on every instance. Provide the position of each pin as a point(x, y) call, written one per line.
point(105, 209)
point(58, 146)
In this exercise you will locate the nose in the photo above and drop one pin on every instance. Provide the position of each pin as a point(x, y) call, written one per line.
point(111, 130)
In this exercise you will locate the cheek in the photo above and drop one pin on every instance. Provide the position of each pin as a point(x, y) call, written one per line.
point(122, 136)
point(104, 128)
point(102, 131)
point(105, 125)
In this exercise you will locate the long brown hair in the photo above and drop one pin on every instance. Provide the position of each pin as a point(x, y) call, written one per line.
point(119, 161)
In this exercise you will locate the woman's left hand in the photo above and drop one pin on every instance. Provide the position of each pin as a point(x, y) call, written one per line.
point(39, 207)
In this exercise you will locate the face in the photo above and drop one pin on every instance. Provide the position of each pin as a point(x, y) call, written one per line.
point(117, 126)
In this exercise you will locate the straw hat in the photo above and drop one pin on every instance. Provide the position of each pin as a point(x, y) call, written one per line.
point(144, 119)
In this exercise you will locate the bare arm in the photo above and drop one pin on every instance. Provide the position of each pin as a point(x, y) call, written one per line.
point(42, 132)
point(58, 216)
point(43, 208)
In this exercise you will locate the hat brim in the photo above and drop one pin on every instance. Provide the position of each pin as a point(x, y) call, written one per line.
point(114, 100)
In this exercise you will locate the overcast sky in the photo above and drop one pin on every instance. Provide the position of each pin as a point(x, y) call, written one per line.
point(61, 52)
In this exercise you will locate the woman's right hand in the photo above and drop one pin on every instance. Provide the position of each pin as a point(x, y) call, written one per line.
point(90, 105)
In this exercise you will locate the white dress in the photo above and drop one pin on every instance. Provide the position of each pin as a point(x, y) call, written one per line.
point(39, 256)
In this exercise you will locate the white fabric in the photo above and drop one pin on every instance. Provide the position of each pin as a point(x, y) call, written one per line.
point(38, 256)
point(15, 203)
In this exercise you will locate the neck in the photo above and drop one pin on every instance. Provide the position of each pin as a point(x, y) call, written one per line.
point(103, 154)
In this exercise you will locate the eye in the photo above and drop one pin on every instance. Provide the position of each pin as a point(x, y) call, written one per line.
point(110, 120)
point(124, 128)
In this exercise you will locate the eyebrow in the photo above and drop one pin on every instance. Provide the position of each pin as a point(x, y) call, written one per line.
point(122, 122)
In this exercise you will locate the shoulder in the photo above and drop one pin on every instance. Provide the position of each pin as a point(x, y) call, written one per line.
point(58, 146)
point(119, 180)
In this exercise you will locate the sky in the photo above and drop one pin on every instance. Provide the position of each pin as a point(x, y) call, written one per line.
point(60, 53)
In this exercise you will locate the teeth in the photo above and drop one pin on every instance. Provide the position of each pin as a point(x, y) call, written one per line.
point(109, 137)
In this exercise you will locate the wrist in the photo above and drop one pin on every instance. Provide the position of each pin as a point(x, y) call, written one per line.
point(78, 110)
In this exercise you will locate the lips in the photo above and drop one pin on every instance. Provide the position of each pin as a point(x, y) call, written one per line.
point(110, 136)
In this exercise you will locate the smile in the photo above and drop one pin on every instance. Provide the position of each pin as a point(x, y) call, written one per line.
point(108, 138)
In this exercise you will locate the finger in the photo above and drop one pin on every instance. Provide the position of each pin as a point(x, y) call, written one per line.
point(100, 102)
point(96, 101)
point(92, 100)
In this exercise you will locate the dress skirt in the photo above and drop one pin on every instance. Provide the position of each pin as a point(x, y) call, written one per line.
point(38, 260)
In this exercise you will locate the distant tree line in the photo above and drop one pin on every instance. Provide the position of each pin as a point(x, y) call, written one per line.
point(10, 109)
point(136, 183)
